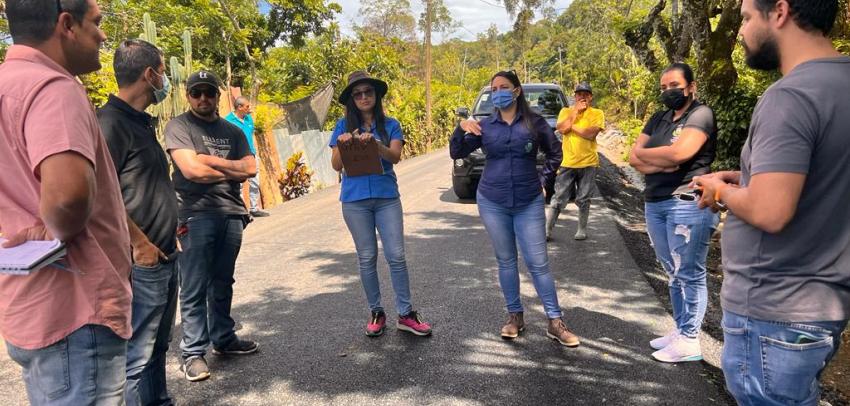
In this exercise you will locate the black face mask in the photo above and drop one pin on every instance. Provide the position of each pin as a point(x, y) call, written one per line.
point(674, 99)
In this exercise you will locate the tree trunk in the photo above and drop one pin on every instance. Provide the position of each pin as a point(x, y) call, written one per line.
point(252, 65)
point(428, 64)
point(714, 48)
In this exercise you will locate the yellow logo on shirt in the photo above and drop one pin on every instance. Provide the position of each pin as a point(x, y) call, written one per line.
point(676, 133)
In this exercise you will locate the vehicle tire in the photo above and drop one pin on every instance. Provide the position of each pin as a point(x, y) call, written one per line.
point(464, 187)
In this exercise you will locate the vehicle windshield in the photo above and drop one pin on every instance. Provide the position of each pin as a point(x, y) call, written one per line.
point(546, 102)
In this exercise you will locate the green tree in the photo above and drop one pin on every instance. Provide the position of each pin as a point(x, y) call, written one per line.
point(388, 18)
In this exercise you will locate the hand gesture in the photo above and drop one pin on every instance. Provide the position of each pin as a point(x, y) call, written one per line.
point(35, 233)
point(471, 126)
point(710, 185)
point(365, 138)
point(147, 255)
point(344, 138)
point(580, 107)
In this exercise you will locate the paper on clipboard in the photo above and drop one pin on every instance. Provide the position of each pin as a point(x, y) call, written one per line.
point(360, 158)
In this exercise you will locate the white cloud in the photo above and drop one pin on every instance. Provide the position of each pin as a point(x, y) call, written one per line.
point(475, 16)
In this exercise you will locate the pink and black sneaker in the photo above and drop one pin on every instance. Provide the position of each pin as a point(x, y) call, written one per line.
point(377, 324)
point(412, 323)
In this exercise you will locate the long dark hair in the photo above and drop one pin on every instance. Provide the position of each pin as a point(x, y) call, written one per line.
point(354, 120)
point(528, 115)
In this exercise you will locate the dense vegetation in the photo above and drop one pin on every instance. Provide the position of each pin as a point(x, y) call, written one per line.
point(281, 50)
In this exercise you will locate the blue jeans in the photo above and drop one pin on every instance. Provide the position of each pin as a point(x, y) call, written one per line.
point(254, 190)
point(525, 225)
point(206, 265)
point(84, 368)
point(680, 233)
point(154, 308)
point(363, 217)
point(776, 363)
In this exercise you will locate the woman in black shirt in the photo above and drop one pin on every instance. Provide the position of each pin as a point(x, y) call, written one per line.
point(677, 144)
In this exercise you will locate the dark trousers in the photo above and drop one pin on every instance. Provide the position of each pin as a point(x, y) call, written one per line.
point(583, 179)
point(210, 247)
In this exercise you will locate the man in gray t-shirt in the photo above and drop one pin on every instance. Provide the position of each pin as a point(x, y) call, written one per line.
point(786, 244)
point(211, 158)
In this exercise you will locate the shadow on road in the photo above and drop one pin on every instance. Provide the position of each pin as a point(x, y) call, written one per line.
point(313, 348)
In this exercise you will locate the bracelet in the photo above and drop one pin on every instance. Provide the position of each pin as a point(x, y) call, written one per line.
point(717, 197)
point(717, 194)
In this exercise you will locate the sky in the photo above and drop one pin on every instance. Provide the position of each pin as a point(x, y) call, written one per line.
point(475, 16)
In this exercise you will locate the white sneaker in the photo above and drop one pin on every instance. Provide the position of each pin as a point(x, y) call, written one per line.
point(681, 349)
point(664, 341)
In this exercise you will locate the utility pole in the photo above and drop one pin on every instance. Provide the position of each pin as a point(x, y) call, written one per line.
point(463, 67)
point(428, 22)
point(560, 68)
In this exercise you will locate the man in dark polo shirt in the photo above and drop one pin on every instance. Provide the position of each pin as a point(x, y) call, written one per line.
point(211, 159)
point(143, 175)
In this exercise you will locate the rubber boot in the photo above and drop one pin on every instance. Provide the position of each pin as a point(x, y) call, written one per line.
point(581, 233)
point(551, 218)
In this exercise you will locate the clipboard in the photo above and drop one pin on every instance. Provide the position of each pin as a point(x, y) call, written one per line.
point(360, 159)
point(30, 256)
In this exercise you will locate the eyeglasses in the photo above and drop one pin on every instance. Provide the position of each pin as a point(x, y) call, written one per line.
point(209, 92)
point(363, 94)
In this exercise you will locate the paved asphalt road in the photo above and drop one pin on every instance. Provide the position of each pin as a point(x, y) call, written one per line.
point(299, 295)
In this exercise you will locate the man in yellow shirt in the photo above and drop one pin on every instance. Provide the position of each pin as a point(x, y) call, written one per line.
point(580, 124)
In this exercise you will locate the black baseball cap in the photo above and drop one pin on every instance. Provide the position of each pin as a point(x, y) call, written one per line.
point(203, 77)
point(584, 87)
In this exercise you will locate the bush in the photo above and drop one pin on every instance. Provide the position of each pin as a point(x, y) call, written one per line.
point(266, 117)
point(296, 179)
point(631, 128)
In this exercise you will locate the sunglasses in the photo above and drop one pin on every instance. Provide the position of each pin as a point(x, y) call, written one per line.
point(209, 92)
point(363, 94)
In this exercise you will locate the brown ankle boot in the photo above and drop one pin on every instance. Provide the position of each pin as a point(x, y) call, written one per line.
point(514, 326)
point(558, 331)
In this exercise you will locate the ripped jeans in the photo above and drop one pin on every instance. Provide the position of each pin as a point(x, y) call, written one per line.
point(680, 233)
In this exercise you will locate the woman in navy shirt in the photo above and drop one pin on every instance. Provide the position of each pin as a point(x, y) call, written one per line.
point(371, 202)
point(510, 198)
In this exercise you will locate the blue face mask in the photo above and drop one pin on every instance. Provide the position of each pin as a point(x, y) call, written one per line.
point(503, 98)
point(160, 94)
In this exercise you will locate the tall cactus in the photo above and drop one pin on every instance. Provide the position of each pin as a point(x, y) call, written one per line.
point(175, 104)
point(187, 52)
point(149, 28)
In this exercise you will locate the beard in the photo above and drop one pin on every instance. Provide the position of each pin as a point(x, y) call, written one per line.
point(766, 57)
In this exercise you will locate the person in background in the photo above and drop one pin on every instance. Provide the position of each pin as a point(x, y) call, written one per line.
point(580, 124)
point(151, 204)
point(67, 327)
point(371, 203)
point(786, 242)
point(677, 144)
point(241, 117)
point(510, 198)
point(211, 159)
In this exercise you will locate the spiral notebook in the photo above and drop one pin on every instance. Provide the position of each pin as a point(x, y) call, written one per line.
point(29, 256)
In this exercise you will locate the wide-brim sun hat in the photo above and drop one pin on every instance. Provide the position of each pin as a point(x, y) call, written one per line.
point(360, 77)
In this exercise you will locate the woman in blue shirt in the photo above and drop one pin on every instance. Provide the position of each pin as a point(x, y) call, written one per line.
point(510, 198)
point(371, 202)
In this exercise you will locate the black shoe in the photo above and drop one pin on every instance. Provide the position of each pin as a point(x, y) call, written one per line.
point(238, 347)
point(259, 213)
point(195, 368)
